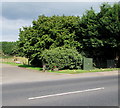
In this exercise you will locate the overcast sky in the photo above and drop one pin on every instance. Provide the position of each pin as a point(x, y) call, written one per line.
point(17, 14)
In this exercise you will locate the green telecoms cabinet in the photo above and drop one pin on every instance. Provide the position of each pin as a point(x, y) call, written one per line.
point(87, 63)
point(110, 64)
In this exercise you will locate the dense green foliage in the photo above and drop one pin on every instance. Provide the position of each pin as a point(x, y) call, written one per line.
point(47, 33)
point(103, 31)
point(94, 35)
point(7, 47)
point(62, 58)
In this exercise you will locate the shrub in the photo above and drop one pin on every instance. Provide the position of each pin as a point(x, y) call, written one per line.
point(62, 58)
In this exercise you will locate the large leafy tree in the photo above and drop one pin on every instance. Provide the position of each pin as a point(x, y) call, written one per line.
point(47, 33)
point(109, 30)
point(100, 33)
point(89, 34)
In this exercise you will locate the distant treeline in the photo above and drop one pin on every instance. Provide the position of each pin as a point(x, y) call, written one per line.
point(7, 48)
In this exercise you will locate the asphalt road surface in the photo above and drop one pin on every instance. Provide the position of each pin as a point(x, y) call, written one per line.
point(93, 91)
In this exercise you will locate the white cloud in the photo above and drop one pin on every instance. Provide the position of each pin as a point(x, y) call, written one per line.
point(9, 38)
point(0, 21)
point(0, 29)
point(16, 15)
point(10, 28)
point(60, 0)
point(15, 24)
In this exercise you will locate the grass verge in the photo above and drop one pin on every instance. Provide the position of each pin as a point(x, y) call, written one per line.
point(24, 66)
point(84, 71)
point(63, 71)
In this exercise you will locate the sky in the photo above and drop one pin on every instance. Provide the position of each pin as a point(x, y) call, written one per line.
point(18, 14)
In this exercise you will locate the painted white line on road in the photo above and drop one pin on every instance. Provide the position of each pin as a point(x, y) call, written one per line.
point(60, 94)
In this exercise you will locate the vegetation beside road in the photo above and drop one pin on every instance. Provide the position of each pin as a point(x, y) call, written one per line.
point(7, 49)
point(23, 66)
point(93, 35)
point(85, 71)
point(63, 42)
point(63, 71)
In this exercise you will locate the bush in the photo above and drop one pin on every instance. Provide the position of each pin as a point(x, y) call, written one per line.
point(62, 58)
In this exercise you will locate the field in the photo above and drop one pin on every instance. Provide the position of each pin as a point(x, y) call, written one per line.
point(11, 59)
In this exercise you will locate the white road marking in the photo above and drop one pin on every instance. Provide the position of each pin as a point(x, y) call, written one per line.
point(60, 94)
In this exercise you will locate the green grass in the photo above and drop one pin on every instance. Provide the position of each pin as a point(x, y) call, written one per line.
point(11, 63)
point(84, 71)
point(63, 71)
point(31, 67)
point(24, 66)
point(6, 57)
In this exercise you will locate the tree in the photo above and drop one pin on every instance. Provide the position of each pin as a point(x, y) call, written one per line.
point(100, 33)
point(47, 33)
point(109, 30)
point(89, 34)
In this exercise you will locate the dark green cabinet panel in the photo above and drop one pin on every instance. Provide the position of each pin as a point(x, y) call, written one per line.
point(87, 63)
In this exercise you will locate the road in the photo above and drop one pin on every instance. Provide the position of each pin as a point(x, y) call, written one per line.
point(14, 74)
point(92, 91)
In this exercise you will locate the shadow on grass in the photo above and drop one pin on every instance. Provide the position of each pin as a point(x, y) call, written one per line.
point(30, 67)
point(25, 66)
